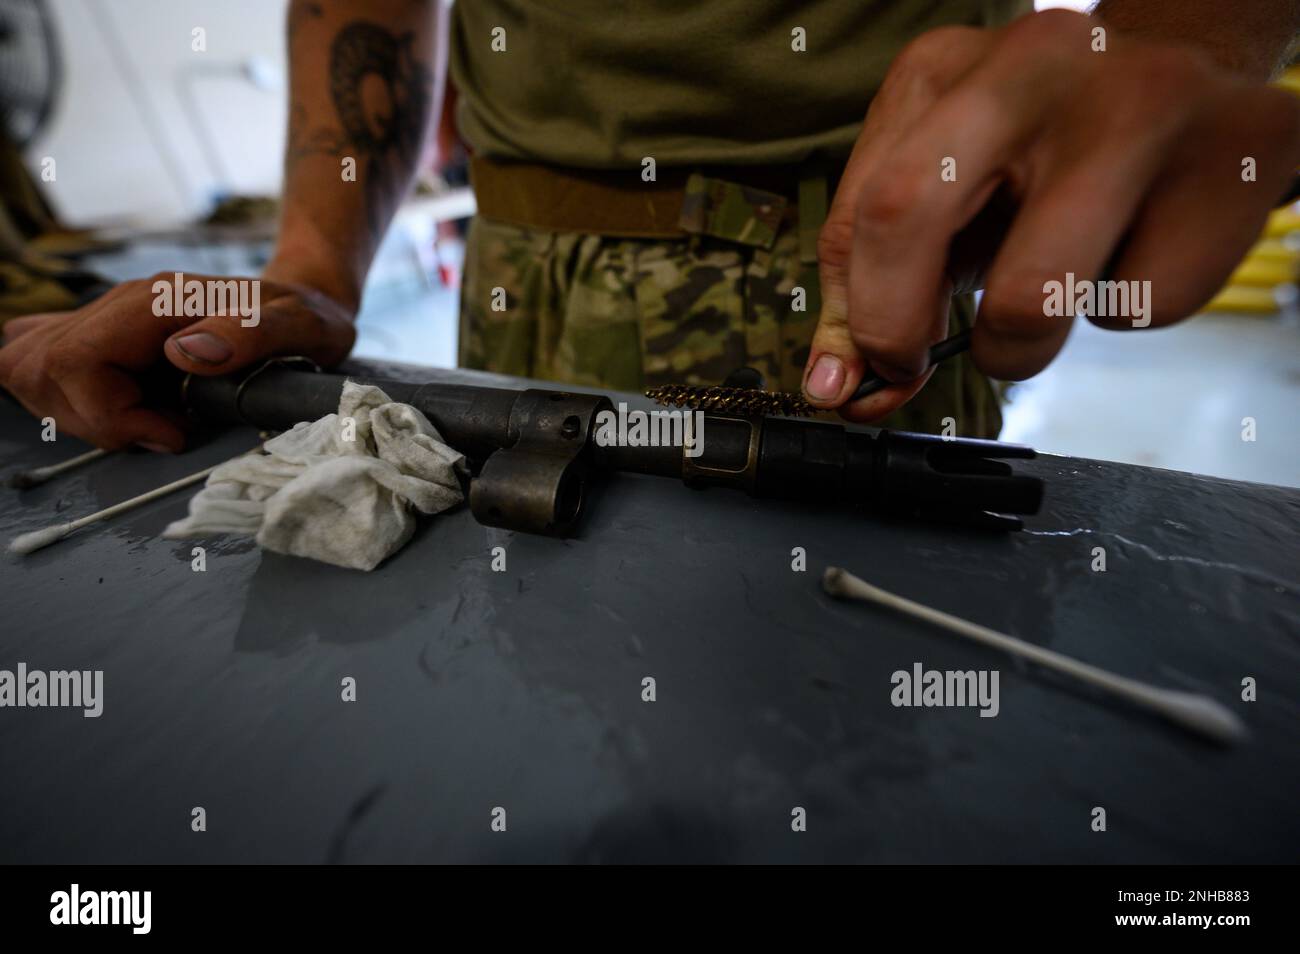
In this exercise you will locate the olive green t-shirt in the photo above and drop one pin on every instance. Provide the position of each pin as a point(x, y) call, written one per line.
point(605, 83)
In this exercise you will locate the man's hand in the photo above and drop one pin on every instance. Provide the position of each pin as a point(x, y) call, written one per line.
point(1127, 161)
point(85, 368)
point(362, 95)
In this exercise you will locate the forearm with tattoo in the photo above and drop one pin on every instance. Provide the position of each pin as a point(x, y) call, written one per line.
point(364, 84)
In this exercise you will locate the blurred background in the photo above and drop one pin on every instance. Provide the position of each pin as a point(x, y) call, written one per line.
point(173, 158)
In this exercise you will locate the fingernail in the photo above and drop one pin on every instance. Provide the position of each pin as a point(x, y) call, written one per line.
point(826, 378)
point(204, 347)
point(156, 448)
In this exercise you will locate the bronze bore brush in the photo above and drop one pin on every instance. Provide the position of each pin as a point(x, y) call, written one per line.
point(754, 401)
point(749, 402)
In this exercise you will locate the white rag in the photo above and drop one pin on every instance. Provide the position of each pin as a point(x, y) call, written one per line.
point(316, 493)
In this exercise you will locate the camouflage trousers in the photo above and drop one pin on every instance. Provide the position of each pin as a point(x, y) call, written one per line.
point(626, 314)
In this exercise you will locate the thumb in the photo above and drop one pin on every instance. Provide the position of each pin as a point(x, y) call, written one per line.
point(835, 362)
point(224, 343)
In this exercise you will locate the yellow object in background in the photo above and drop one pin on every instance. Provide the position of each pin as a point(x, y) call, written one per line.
point(1290, 80)
point(1282, 222)
point(1268, 273)
point(1274, 250)
point(1272, 263)
point(1244, 299)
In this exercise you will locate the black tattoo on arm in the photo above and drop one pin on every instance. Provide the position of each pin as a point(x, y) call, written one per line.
point(382, 94)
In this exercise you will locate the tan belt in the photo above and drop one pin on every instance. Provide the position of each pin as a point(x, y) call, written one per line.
point(738, 203)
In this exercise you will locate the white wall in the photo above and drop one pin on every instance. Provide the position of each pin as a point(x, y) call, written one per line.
point(123, 133)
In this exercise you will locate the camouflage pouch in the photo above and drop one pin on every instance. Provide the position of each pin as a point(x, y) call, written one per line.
point(730, 211)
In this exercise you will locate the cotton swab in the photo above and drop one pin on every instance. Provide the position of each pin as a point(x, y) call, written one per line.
point(1193, 712)
point(39, 475)
point(29, 542)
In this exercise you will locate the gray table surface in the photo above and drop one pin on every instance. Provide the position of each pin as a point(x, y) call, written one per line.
point(523, 689)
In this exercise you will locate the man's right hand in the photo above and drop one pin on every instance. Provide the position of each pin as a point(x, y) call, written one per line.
point(85, 368)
